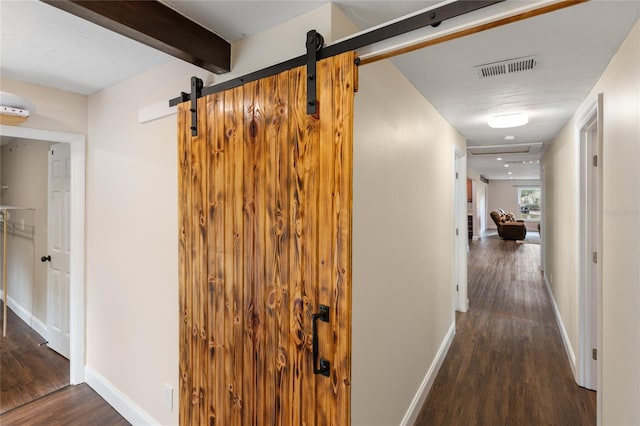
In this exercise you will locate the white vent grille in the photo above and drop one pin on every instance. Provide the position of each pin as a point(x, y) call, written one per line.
point(495, 69)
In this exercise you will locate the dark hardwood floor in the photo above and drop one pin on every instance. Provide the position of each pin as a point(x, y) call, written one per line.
point(28, 368)
point(507, 364)
point(34, 384)
point(72, 405)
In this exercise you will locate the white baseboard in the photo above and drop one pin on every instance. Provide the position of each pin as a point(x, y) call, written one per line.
point(418, 400)
point(563, 331)
point(39, 327)
point(25, 315)
point(119, 401)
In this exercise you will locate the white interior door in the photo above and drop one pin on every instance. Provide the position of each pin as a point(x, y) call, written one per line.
point(58, 248)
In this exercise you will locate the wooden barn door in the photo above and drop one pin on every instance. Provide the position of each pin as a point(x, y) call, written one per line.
point(265, 196)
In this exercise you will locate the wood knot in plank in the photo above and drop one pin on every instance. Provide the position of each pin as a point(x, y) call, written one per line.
point(237, 401)
point(253, 129)
point(255, 321)
point(197, 395)
point(272, 298)
point(281, 359)
point(280, 225)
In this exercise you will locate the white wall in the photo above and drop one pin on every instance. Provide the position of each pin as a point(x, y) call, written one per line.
point(24, 171)
point(619, 352)
point(402, 242)
point(503, 194)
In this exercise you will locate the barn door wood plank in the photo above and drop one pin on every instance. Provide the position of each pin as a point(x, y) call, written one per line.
point(282, 238)
point(198, 207)
point(258, 144)
point(304, 134)
point(268, 318)
point(234, 252)
point(276, 253)
point(218, 403)
point(344, 72)
point(325, 397)
point(184, 262)
point(250, 261)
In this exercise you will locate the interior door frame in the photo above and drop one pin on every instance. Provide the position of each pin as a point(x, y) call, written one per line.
point(461, 240)
point(77, 232)
point(590, 231)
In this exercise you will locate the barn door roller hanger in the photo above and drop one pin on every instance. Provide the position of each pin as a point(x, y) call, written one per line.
point(315, 41)
point(196, 93)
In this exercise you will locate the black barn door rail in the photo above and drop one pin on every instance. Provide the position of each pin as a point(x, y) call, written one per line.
point(314, 40)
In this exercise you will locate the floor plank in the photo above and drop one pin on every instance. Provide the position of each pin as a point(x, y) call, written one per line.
point(73, 405)
point(28, 368)
point(507, 364)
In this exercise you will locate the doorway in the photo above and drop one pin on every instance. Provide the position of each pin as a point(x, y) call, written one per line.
point(76, 237)
point(590, 130)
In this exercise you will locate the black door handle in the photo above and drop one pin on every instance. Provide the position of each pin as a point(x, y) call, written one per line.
point(325, 365)
point(46, 258)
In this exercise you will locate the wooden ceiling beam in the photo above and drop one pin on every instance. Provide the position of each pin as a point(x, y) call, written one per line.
point(158, 26)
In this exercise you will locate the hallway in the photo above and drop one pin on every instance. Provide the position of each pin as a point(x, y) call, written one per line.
point(507, 364)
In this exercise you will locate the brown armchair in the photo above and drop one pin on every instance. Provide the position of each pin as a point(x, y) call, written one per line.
point(508, 229)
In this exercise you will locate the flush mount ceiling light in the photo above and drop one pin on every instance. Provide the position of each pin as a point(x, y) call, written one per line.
point(14, 109)
point(499, 158)
point(505, 121)
point(509, 138)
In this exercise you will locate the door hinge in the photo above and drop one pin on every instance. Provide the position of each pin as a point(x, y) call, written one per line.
point(595, 161)
point(595, 257)
point(456, 175)
point(456, 231)
point(594, 354)
point(457, 287)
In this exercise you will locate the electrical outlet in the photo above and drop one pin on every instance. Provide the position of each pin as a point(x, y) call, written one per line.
point(167, 392)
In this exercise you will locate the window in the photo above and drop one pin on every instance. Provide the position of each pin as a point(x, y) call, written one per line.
point(529, 202)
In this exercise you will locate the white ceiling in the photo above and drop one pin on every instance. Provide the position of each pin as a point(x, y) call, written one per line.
point(43, 45)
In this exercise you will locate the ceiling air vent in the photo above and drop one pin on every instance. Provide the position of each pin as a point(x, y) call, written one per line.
point(495, 69)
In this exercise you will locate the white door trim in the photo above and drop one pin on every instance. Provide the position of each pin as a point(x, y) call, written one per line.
point(77, 305)
point(590, 231)
point(461, 241)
